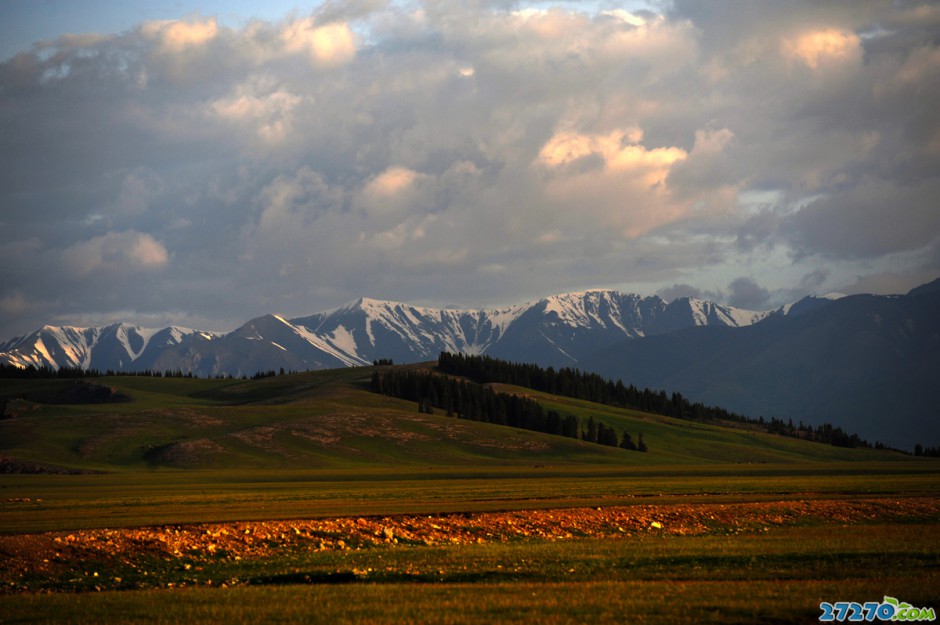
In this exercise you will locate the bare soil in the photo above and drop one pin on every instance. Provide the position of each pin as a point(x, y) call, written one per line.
point(56, 554)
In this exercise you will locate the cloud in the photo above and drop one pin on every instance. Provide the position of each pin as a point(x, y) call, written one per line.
point(747, 294)
point(618, 151)
point(138, 189)
point(678, 291)
point(174, 36)
point(620, 180)
point(469, 153)
point(115, 252)
point(267, 109)
point(391, 183)
point(823, 49)
point(329, 45)
point(16, 303)
point(875, 218)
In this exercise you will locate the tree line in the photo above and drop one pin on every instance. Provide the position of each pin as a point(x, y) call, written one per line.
point(927, 452)
point(592, 387)
point(465, 399)
point(46, 372)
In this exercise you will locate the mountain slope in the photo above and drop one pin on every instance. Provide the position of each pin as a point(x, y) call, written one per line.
point(370, 329)
point(265, 343)
point(118, 346)
point(563, 329)
point(867, 363)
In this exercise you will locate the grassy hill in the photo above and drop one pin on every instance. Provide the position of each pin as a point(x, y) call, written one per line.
point(348, 504)
point(331, 420)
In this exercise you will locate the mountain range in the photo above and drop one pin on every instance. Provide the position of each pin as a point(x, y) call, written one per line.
point(554, 331)
point(867, 363)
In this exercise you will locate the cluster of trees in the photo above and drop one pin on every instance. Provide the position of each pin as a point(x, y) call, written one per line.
point(592, 387)
point(824, 433)
point(270, 373)
point(579, 385)
point(466, 400)
point(476, 402)
point(46, 372)
point(930, 452)
point(601, 434)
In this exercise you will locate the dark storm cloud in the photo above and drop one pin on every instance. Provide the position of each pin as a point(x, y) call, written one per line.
point(746, 293)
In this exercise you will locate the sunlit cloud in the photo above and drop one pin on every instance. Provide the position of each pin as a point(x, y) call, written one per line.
point(178, 36)
point(268, 110)
point(467, 154)
point(328, 45)
point(823, 48)
point(118, 252)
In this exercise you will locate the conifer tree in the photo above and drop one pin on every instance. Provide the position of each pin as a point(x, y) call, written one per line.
point(606, 435)
point(627, 442)
point(590, 435)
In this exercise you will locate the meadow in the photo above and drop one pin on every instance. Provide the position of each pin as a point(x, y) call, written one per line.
point(306, 498)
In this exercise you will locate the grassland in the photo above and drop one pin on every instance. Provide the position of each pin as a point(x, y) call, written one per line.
point(30, 503)
point(752, 527)
point(330, 420)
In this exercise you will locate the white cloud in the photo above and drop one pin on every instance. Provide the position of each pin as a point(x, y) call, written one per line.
point(265, 108)
point(330, 45)
point(823, 49)
point(115, 252)
point(391, 183)
point(630, 18)
point(174, 36)
point(612, 178)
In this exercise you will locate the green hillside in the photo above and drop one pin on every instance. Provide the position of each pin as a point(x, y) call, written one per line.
point(331, 420)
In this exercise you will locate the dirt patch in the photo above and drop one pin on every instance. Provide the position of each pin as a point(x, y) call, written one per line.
point(54, 554)
point(185, 454)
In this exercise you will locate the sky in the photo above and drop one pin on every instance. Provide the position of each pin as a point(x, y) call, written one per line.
point(200, 163)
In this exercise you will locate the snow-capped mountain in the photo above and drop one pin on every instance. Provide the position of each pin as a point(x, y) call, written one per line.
point(559, 330)
point(369, 329)
point(118, 346)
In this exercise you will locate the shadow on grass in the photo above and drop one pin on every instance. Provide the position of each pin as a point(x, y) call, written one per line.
point(312, 577)
point(348, 577)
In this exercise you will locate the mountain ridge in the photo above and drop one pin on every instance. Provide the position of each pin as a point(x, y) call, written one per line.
point(555, 330)
point(865, 361)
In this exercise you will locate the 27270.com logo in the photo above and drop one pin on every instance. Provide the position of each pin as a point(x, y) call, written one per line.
point(888, 610)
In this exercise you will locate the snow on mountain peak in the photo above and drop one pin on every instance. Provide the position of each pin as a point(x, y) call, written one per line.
point(568, 325)
point(705, 312)
point(608, 309)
